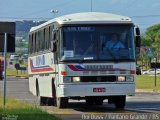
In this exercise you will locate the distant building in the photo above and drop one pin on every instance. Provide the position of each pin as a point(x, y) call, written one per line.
point(19, 38)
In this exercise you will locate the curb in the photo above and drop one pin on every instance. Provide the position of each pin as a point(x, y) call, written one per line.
point(147, 91)
point(23, 77)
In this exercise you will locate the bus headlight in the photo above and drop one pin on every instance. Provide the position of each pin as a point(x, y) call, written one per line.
point(76, 79)
point(121, 78)
point(67, 79)
point(129, 78)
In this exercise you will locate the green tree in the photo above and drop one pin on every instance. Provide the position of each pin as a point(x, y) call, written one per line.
point(152, 36)
point(157, 39)
point(21, 44)
point(151, 39)
point(145, 41)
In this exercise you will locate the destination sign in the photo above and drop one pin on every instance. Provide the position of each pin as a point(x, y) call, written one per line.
point(79, 29)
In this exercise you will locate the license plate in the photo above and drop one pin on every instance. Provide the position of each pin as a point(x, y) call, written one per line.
point(99, 89)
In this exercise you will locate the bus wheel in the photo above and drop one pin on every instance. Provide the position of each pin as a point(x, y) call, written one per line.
point(50, 102)
point(62, 102)
point(42, 101)
point(120, 102)
point(89, 100)
point(98, 101)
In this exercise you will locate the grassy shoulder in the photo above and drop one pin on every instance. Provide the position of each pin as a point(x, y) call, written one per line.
point(13, 72)
point(147, 82)
point(23, 111)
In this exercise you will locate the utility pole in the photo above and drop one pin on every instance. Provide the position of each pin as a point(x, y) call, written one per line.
point(155, 83)
point(4, 80)
point(91, 5)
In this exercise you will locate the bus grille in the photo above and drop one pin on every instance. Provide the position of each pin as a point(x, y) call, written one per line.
point(98, 78)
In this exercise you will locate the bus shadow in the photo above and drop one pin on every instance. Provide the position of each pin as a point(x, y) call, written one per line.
point(131, 107)
point(82, 107)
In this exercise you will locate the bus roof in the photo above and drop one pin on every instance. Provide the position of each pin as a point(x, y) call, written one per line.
point(87, 18)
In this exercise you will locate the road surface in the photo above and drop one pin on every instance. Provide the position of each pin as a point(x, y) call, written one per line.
point(141, 103)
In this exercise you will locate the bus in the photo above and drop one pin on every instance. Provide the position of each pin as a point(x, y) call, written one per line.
point(67, 59)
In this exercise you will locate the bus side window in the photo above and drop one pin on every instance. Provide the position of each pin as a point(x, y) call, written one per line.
point(30, 43)
point(47, 38)
point(37, 42)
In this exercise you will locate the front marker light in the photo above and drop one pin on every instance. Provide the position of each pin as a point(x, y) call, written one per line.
point(76, 79)
point(121, 78)
point(67, 79)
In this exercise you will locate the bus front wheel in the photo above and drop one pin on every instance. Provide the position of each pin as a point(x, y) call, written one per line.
point(99, 101)
point(62, 102)
point(120, 102)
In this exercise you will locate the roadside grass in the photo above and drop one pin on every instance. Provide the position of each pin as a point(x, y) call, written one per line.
point(13, 72)
point(147, 82)
point(22, 111)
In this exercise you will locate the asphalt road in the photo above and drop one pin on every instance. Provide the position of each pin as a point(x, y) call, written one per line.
point(18, 88)
point(141, 103)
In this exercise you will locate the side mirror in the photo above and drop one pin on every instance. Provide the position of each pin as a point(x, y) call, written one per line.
point(137, 31)
point(138, 37)
point(138, 41)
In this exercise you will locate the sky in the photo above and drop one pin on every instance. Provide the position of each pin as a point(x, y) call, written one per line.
point(144, 13)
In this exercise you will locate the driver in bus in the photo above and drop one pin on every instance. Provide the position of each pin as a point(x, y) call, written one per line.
point(114, 43)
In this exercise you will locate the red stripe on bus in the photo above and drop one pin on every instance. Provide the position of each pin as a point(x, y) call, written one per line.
point(41, 70)
point(73, 68)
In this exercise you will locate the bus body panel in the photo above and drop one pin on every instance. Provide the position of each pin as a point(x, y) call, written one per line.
point(85, 88)
point(45, 80)
point(41, 73)
point(41, 64)
point(82, 90)
point(44, 85)
point(93, 69)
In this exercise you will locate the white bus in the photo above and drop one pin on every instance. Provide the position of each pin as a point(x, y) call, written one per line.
point(68, 59)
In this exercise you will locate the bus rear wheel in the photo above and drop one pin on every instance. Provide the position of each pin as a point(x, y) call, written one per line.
point(89, 101)
point(94, 100)
point(62, 102)
point(98, 101)
point(42, 101)
point(119, 102)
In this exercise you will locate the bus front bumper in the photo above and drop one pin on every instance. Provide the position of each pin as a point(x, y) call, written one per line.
point(92, 89)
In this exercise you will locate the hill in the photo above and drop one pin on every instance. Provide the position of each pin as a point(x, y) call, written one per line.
point(23, 27)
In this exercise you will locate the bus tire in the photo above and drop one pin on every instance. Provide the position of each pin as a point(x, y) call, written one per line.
point(119, 102)
point(98, 101)
point(42, 101)
point(50, 102)
point(89, 100)
point(62, 102)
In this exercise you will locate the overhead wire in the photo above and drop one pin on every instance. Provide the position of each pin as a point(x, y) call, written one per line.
point(134, 17)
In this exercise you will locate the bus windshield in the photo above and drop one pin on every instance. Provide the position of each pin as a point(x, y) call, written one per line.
point(97, 42)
